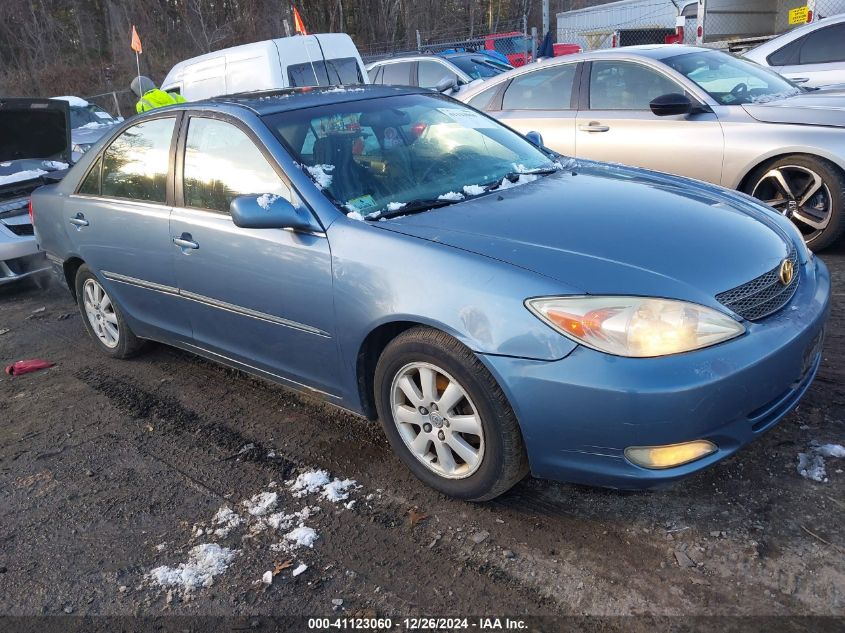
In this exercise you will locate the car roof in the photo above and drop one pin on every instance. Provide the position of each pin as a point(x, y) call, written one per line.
point(263, 103)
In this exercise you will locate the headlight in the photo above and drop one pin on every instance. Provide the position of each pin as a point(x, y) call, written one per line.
point(635, 326)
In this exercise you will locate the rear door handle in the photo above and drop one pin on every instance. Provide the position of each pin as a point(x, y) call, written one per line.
point(594, 126)
point(78, 221)
point(185, 241)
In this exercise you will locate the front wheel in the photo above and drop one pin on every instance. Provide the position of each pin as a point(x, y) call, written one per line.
point(103, 318)
point(446, 417)
point(809, 191)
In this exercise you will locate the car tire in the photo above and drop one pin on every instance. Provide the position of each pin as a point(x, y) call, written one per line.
point(489, 457)
point(103, 318)
point(800, 173)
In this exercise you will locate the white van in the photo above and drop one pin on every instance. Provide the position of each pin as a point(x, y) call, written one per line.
point(302, 60)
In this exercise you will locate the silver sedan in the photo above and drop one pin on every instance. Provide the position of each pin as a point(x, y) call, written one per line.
point(689, 111)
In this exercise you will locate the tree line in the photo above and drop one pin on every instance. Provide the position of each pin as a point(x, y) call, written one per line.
point(81, 47)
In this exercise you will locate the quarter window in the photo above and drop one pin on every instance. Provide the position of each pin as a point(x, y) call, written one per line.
point(135, 165)
point(547, 89)
point(91, 184)
point(824, 46)
point(222, 163)
point(627, 86)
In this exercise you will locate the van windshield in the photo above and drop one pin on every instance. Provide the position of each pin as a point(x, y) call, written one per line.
point(325, 72)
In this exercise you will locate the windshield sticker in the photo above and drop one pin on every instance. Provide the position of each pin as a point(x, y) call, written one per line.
point(391, 138)
point(363, 203)
point(102, 115)
point(468, 118)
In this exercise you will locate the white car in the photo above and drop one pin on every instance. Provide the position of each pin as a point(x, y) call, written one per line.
point(812, 55)
point(427, 71)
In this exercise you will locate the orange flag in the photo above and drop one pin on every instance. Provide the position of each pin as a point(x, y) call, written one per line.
point(136, 41)
point(298, 26)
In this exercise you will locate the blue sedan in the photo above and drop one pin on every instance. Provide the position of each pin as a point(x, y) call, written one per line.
point(501, 309)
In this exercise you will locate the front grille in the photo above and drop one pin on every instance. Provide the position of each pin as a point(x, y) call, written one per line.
point(20, 229)
point(762, 296)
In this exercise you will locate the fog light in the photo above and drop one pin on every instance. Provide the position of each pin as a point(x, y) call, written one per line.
point(669, 456)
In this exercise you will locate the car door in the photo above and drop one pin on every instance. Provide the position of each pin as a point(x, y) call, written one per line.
point(260, 297)
point(119, 223)
point(818, 57)
point(616, 124)
point(541, 101)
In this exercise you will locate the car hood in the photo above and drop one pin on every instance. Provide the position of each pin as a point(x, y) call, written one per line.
point(35, 129)
point(603, 229)
point(817, 107)
point(91, 133)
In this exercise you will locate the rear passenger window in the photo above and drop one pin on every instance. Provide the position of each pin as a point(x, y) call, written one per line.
point(222, 163)
point(787, 55)
point(824, 46)
point(91, 184)
point(398, 74)
point(547, 89)
point(135, 165)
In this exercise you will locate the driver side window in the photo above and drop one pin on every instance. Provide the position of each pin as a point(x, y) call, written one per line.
point(618, 85)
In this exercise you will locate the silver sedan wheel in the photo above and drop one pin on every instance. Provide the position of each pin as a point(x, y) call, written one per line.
point(100, 312)
point(800, 194)
point(437, 420)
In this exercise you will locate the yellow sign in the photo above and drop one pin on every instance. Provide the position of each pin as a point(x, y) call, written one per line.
point(798, 15)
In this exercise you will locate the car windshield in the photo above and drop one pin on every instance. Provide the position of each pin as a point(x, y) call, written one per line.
point(732, 81)
point(478, 67)
point(402, 154)
point(90, 115)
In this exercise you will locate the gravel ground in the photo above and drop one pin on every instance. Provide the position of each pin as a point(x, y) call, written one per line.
point(110, 469)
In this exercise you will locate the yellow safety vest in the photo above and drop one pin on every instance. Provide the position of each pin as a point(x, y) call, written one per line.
point(157, 98)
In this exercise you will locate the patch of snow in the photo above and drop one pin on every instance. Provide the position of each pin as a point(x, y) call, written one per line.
point(349, 505)
point(282, 521)
point(451, 195)
point(775, 97)
point(569, 163)
point(267, 578)
point(94, 125)
point(205, 562)
point(320, 174)
point(301, 537)
point(265, 200)
point(395, 206)
point(75, 102)
point(522, 180)
point(309, 482)
point(226, 519)
point(354, 215)
point(474, 190)
point(161, 547)
point(54, 164)
point(811, 465)
point(20, 176)
point(336, 490)
point(261, 503)
point(342, 89)
point(300, 568)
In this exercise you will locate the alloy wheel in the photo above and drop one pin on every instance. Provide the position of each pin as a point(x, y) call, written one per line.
point(100, 312)
point(800, 194)
point(437, 420)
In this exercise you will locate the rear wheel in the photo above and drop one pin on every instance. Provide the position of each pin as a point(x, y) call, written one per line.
point(103, 318)
point(809, 191)
point(446, 417)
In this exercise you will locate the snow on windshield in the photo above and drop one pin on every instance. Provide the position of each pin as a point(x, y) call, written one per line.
point(75, 102)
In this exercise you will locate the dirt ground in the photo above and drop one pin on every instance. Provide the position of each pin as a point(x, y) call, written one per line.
point(108, 469)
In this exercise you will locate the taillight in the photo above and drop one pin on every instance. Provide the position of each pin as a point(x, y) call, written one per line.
point(31, 212)
point(809, 16)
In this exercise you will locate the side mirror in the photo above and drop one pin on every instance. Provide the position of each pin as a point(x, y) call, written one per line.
point(671, 104)
point(267, 211)
point(447, 84)
point(535, 137)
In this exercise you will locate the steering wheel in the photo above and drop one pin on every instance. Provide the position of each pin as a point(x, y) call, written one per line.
point(739, 90)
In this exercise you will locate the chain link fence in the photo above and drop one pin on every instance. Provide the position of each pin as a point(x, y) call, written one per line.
point(512, 40)
point(732, 24)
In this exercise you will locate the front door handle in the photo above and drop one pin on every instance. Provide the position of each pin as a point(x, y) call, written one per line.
point(185, 241)
point(78, 221)
point(594, 126)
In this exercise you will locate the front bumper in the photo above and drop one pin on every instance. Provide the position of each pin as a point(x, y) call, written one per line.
point(578, 414)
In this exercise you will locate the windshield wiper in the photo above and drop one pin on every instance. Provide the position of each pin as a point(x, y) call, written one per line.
point(415, 206)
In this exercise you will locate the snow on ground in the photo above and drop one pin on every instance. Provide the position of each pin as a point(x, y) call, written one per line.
point(265, 200)
point(204, 563)
point(320, 174)
point(261, 503)
point(20, 176)
point(308, 482)
point(300, 568)
point(336, 490)
point(811, 465)
point(227, 520)
point(302, 536)
point(75, 102)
